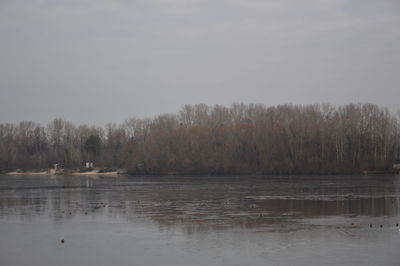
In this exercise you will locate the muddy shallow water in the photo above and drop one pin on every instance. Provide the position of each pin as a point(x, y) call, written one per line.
point(286, 220)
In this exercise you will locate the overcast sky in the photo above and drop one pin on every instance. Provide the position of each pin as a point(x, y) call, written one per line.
point(96, 61)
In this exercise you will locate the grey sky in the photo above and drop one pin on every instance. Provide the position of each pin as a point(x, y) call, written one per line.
point(95, 61)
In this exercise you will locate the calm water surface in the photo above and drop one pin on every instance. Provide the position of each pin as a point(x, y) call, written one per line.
point(290, 220)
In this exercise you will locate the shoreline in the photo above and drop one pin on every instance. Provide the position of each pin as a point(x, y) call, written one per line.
point(51, 172)
point(115, 173)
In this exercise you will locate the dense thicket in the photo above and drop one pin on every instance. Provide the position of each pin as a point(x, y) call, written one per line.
point(201, 139)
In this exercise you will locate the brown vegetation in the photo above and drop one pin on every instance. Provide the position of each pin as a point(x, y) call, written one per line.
point(217, 140)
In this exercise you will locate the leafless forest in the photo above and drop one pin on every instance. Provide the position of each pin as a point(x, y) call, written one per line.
point(200, 139)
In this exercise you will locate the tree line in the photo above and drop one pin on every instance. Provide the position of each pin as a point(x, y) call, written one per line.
point(202, 139)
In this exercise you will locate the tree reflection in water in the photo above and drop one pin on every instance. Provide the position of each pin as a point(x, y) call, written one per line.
point(198, 204)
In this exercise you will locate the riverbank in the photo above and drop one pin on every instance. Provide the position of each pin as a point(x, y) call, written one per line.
point(116, 172)
point(98, 172)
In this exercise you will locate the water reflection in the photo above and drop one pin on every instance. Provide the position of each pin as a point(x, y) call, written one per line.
point(198, 204)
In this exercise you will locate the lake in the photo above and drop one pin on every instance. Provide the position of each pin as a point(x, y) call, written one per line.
point(183, 220)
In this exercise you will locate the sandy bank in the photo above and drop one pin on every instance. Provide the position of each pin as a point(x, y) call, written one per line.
point(51, 172)
point(67, 172)
point(95, 172)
